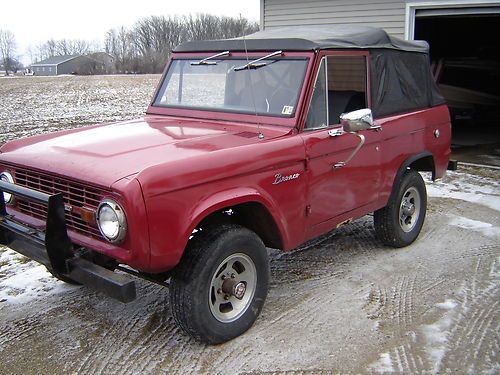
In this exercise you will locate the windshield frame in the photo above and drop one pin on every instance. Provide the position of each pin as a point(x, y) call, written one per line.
point(227, 115)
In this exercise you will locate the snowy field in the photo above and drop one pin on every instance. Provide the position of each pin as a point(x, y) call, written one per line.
point(31, 105)
point(340, 304)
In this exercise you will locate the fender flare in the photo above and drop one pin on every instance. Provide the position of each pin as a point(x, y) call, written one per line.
point(234, 197)
point(404, 166)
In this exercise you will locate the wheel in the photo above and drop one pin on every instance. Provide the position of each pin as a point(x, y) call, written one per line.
point(399, 223)
point(218, 289)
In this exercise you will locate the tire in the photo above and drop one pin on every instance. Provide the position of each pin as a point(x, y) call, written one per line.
point(399, 223)
point(206, 287)
point(65, 279)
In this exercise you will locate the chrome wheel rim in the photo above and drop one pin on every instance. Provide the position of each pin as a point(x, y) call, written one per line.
point(409, 210)
point(232, 287)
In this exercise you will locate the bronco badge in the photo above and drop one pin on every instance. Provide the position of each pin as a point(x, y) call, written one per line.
point(278, 178)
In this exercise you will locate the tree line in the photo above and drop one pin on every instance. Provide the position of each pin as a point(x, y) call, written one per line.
point(145, 47)
point(141, 48)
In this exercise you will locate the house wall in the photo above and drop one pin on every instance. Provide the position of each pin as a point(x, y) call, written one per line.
point(395, 16)
point(44, 70)
point(387, 14)
point(71, 66)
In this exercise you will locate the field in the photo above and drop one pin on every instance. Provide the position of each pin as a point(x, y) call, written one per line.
point(340, 304)
point(31, 105)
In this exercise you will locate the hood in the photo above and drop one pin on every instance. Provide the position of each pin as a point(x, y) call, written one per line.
point(104, 154)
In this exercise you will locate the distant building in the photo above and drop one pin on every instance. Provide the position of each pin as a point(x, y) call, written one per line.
point(96, 63)
point(103, 63)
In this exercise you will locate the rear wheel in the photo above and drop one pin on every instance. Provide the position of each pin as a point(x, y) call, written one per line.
point(219, 288)
point(399, 223)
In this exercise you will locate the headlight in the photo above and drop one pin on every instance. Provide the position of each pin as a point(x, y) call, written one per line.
point(6, 176)
point(111, 221)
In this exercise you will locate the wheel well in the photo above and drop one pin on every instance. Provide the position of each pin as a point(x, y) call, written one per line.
point(251, 215)
point(424, 164)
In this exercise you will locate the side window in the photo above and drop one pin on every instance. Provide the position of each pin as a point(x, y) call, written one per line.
point(317, 116)
point(346, 85)
point(340, 88)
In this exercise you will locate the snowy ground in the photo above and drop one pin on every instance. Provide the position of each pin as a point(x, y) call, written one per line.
point(342, 303)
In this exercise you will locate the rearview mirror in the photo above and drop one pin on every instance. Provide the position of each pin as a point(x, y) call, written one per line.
point(355, 121)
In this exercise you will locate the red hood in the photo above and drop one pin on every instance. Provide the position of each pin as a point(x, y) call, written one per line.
point(103, 154)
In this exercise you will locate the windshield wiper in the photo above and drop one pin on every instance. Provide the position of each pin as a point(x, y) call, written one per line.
point(255, 63)
point(206, 62)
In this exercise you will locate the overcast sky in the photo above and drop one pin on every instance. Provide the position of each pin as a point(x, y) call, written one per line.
point(34, 22)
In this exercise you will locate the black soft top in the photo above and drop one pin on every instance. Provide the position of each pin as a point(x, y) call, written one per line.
point(309, 38)
point(401, 79)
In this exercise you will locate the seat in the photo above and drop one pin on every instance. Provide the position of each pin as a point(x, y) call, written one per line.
point(344, 101)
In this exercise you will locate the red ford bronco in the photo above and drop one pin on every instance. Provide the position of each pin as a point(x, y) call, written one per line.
point(264, 141)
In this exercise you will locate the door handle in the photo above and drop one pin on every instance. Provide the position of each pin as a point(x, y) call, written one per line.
point(335, 132)
point(354, 152)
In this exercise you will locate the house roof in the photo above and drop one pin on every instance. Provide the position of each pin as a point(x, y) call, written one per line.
point(56, 60)
point(303, 38)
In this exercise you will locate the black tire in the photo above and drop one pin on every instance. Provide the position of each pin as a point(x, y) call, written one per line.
point(394, 224)
point(65, 279)
point(193, 296)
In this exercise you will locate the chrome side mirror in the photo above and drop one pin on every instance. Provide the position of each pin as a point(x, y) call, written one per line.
point(355, 121)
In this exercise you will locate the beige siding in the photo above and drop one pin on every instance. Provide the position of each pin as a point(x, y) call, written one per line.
point(387, 14)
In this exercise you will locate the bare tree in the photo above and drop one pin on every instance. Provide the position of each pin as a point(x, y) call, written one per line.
point(64, 47)
point(154, 37)
point(7, 51)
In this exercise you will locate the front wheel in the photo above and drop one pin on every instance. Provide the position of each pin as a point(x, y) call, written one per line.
point(399, 223)
point(219, 288)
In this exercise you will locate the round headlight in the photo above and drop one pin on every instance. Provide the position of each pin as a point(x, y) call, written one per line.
point(7, 177)
point(111, 221)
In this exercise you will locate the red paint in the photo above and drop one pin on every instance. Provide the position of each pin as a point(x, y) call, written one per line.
point(174, 167)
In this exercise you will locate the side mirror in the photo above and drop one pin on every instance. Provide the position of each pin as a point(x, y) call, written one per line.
point(355, 121)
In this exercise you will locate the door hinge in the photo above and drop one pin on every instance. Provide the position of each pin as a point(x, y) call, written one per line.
point(306, 164)
point(308, 210)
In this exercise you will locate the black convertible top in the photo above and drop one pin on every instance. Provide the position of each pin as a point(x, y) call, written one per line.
point(401, 79)
point(304, 38)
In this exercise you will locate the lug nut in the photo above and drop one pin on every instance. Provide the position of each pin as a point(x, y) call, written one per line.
point(219, 291)
point(233, 276)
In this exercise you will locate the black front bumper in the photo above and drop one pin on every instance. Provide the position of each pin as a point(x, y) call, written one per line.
point(53, 248)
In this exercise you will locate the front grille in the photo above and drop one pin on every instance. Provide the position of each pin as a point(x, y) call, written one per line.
point(76, 196)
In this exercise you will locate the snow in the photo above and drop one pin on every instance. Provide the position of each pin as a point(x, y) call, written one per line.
point(477, 226)
point(437, 335)
point(475, 189)
point(383, 365)
point(449, 304)
point(22, 281)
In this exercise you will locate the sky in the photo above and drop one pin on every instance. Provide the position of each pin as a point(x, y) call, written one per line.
point(35, 21)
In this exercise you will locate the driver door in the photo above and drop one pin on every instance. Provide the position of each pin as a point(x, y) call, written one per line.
point(338, 193)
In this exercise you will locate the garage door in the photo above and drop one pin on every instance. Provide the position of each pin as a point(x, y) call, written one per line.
point(465, 59)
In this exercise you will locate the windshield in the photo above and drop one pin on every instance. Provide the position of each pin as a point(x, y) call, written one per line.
point(271, 87)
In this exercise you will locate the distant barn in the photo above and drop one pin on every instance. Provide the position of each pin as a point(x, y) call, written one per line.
point(96, 63)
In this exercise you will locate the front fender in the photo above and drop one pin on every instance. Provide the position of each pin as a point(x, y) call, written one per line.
point(173, 218)
point(233, 197)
